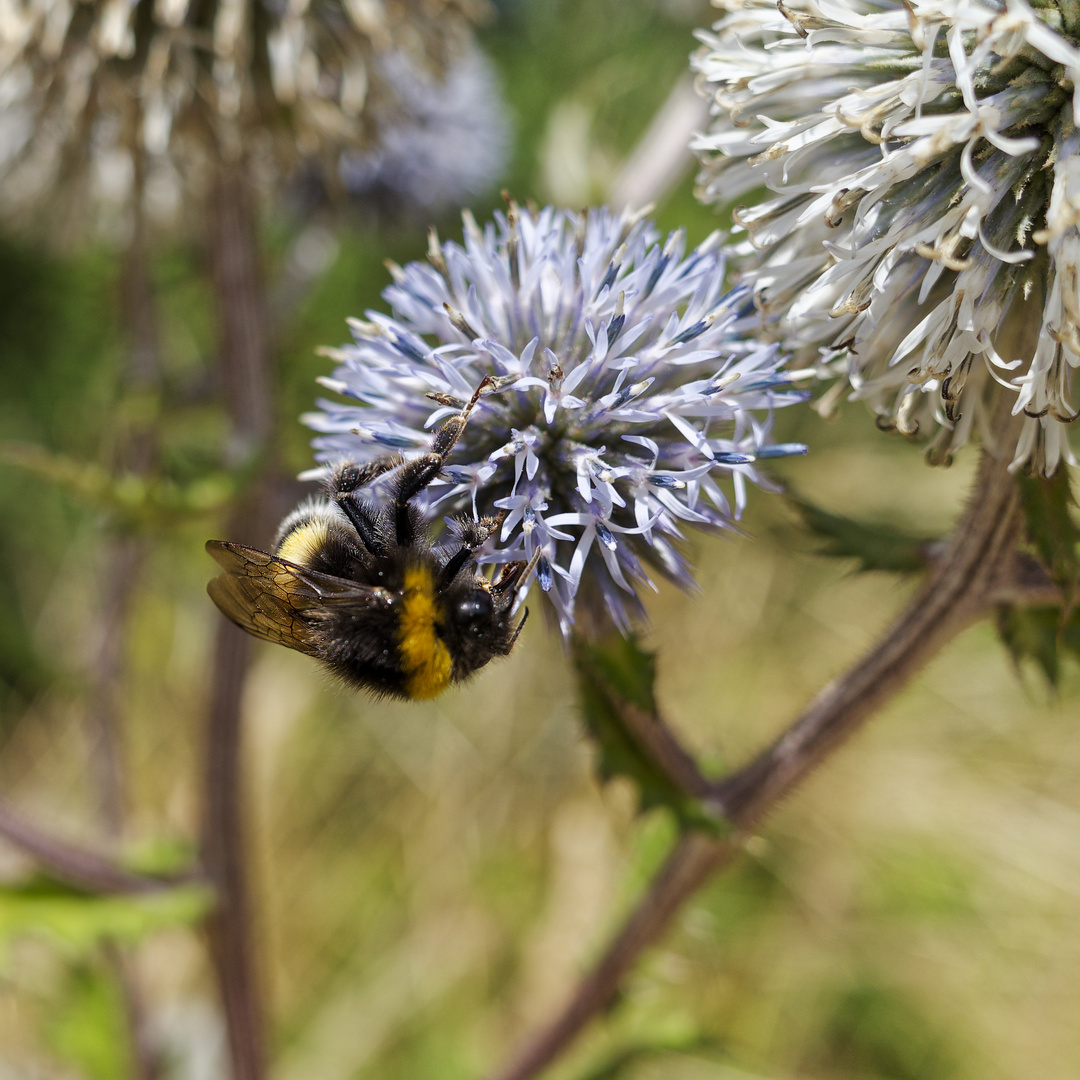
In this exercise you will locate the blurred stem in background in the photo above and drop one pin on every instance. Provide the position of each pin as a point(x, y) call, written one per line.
point(124, 555)
point(245, 385)
point(244, 377)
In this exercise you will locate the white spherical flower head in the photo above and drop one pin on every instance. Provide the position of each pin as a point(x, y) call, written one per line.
point(925, 161)
point(625, 396)
point(122, 96)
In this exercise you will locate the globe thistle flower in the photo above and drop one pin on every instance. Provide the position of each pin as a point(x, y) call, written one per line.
point(124, 95)
point(924, 162)
point(443, 142)
point(626, 396)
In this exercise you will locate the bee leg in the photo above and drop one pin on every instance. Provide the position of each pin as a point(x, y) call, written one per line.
point(365, 525)
point(342, 486)
point(414, 477)
point(349, 477)
point(516, 574)
point(472, 535)
point(418, 473)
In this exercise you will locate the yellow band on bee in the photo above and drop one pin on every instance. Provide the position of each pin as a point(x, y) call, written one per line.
point(304, 542)
point(424, 658)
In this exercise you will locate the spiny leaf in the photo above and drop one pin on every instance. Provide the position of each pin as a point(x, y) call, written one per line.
point(619, 669)
point(1041, 634)
point(613, 677)
point(877, 547)
point(1047, 503)
point(623, 665)
point(1032, 634)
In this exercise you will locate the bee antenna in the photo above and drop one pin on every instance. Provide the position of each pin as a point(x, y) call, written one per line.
point(520, 626)
point(531, 565)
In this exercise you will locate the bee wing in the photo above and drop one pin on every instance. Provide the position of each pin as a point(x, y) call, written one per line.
point(277, 600)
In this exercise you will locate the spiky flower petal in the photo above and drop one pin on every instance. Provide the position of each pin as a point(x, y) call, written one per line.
point(925, 161)
point(627, 395)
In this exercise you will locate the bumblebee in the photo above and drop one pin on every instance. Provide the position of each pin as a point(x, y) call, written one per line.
point(363, 588)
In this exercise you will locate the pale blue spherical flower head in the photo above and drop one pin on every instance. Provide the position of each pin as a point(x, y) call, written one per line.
point(629, 405)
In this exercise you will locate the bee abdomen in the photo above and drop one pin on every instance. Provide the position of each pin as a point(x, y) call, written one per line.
point(316, 536)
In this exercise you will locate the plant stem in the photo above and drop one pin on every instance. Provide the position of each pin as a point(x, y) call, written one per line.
point(954, 597)
point(229, 924)
point(246, 392)
point(124, 554)
point(956, 594)
point(78, 866)
point(124, 558)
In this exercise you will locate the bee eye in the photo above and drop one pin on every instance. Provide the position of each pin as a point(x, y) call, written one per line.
point(475, 611)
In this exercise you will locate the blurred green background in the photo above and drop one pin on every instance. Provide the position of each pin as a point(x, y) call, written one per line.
point(430, 878)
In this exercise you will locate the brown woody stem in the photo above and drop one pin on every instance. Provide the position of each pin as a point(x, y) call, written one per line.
point(246, 391)
point(958, 592)
point(124, 557)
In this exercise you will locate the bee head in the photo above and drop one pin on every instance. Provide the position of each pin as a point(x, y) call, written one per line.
point(473, 612)
point(481, 617)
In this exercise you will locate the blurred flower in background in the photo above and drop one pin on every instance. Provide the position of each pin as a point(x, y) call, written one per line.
point(440, 141)
point(627, 394)
point(924, 160)
point(119, 97)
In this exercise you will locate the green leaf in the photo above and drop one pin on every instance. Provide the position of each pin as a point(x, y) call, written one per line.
point(614, 676)
point(160, 856)
point(1032, 634)
point(875, 1028)
point(1041, 634)
point(877, 547)
point(616, 1064)
point(619, 669)
point(133, 501)
point(76, 921)
point(1044, 634)
point(88, 1028)
point(1047, 504)
point(620, 665)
